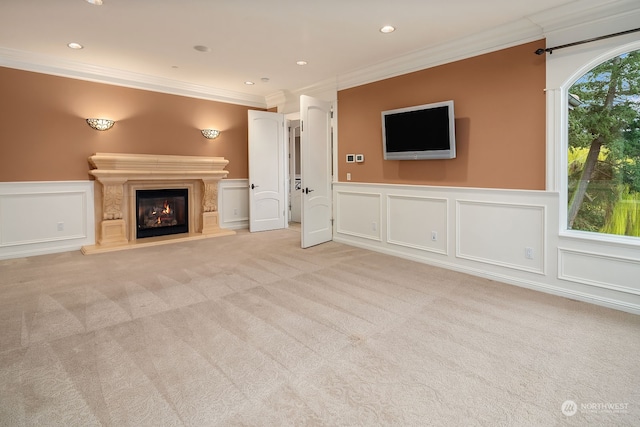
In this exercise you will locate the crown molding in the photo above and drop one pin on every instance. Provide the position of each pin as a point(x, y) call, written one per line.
point(38, 63)
point(534, 27)
point(325, 89)
point(276, 98)
point(512, 34)
point(582, 13)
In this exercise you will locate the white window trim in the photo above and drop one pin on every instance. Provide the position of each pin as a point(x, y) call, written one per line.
point(558, 131)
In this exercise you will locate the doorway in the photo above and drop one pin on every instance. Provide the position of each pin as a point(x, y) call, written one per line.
point(295, 179)
point(272, 150)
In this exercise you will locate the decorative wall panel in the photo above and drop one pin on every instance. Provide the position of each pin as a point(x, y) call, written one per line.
point(364, 216)
point(234, 203)
point(417, 222)
point(599, 269)
point(510, 235)
point(45, 217)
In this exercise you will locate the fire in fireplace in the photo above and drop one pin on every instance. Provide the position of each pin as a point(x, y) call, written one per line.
point(162, 212)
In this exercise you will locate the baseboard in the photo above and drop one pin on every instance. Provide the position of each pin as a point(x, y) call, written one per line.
point(528, 284)
point(238, 225)
point(25, 253)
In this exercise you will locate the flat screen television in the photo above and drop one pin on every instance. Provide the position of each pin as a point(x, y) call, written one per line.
point(420, 132)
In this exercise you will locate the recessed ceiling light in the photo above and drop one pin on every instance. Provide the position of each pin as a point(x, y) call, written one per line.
point(265, 80)
point(387, 29)
point(96, 2)
point(249, 83)
point(302, 62)
point(74, 45)
point(201, 48)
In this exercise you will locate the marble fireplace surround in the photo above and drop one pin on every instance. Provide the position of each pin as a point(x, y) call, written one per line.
point(119, 176)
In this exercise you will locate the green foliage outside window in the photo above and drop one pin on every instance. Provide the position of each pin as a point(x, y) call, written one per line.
point(604, 148)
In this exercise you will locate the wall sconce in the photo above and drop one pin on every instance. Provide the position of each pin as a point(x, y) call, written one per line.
point(210, 133)
point(100, 124)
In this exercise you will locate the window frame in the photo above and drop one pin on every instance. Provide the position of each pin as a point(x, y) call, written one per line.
point(559, 115)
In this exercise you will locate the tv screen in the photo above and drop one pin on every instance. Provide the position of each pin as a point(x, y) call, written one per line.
point(420, 132)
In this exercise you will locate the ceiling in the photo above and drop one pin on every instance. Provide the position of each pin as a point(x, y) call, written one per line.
point(260, 41)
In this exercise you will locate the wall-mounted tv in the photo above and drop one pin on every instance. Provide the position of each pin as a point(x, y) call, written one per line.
point(420, 132)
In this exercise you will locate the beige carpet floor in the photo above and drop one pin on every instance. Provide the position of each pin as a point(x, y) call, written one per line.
point(252, 330)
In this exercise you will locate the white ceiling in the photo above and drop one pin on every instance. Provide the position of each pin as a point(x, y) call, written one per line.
point(153, 40)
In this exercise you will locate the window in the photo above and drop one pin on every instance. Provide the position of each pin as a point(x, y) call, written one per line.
point(603, 168)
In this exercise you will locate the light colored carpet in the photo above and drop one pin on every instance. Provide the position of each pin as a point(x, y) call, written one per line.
point(252, 330)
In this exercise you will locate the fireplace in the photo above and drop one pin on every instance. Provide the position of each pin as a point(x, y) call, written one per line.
point(162, 212)
point(174, 198)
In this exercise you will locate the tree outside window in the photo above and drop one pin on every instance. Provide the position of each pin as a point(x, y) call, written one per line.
point(604, 148)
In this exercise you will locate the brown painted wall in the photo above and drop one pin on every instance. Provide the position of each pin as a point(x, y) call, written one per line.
point(500, 122)
point(44, 136)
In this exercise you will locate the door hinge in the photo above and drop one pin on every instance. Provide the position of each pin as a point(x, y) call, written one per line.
point(301, 126)
point(332, 113)
point(332, 221)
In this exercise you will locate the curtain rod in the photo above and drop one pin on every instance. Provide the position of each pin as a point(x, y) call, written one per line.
point(551, 49)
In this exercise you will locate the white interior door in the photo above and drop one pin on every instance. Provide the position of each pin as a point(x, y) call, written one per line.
point(267, 171)
point(315, 159)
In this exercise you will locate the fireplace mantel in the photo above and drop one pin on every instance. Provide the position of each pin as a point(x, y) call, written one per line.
point(121, 175)
point(151, 165)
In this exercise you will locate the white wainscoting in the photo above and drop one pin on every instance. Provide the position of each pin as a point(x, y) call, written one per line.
point(233, 203)
point(520, 229)
point(38, 218)
point(506, 235)
point(367, 224)
point(418, 222)
point(45, 217)
point(600, 270)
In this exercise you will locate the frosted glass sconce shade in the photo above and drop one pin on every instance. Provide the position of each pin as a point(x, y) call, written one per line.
point(100, 124)
point(210, 133)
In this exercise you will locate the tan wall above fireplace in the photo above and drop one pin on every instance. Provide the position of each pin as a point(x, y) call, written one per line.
point(44, 136)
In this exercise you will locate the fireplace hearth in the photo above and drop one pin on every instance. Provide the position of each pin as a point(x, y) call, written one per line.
point(162, 212)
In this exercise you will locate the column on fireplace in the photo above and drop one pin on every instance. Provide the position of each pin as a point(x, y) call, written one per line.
point(210, 224)
point(112, 226)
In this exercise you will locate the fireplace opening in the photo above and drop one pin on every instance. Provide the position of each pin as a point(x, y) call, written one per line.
point(162, 212)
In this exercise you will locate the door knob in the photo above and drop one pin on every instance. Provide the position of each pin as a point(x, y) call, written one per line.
point(254, 186)
point(307, 191)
